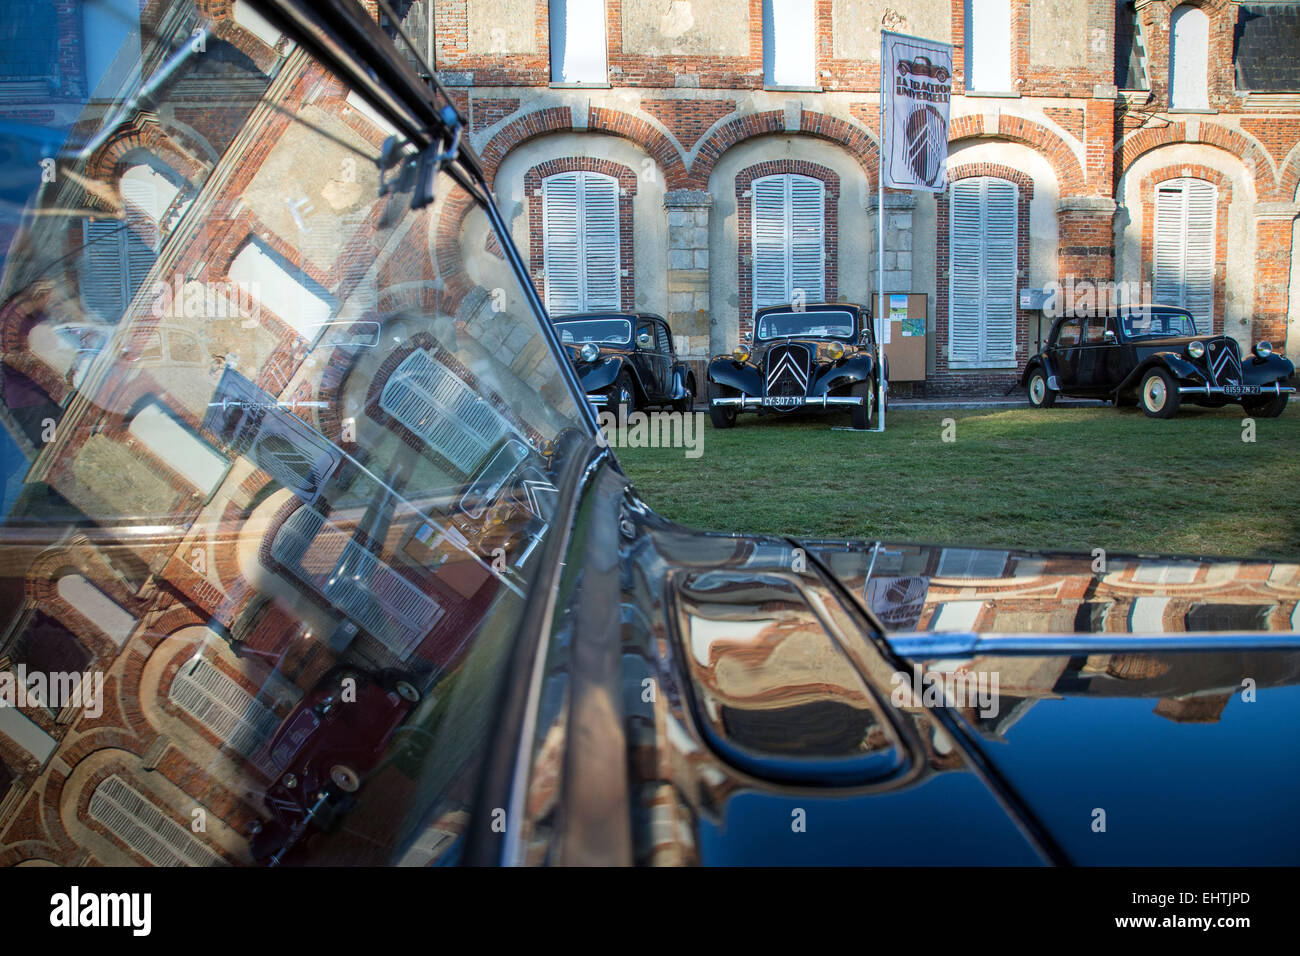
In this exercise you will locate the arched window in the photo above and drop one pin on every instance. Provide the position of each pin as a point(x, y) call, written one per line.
point(983, 246)
point(580, 242)
point(789, 239)
point(1189, 58)
point(1184, 247)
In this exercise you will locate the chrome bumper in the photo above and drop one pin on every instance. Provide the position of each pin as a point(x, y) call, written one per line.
point(1274, 389)
point(598, 399)
point(820, 401)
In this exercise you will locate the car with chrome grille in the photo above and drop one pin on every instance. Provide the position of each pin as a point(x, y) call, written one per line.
point(1156, 357)
point(626, 360)
point(819, 356)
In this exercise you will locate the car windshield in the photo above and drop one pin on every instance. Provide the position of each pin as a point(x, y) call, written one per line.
point(600, 331)
point(270, 433)
point(1157, 323)
point(780, 325)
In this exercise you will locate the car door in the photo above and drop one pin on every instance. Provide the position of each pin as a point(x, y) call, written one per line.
point(1065, 354)
point(1091, 375)
point(664, 359)
point(644, 358)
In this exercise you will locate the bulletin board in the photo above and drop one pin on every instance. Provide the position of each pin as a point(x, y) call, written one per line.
point(905, 340)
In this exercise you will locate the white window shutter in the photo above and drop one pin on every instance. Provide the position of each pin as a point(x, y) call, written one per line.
point(807, 238)
point(1184, 247)
point(965, 286)
point(561, 243)
point(103, 278)
point(601, 273)
point(771, 276)
point(999, 270)
point(789, 239)
point(983, 238)
point(580, 242)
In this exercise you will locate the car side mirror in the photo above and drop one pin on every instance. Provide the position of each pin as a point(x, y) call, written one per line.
point(1108, 336)
point(644, 340)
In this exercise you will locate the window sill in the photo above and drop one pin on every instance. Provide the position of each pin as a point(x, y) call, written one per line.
point(579, 86)
point(794, 89)
point(1013, 95)
point(1204, 110)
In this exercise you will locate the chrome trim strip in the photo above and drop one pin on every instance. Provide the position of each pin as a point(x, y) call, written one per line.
point(1275, 389)
point(926, 644)
point(816, 401)
point(598, 399)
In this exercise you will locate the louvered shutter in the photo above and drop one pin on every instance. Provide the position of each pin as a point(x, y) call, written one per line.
point(601, 285)
point(770, 276)
point(580, 241)
point(983, 240)
point(999, 271)
point(561, 244)
point(965, 291)
point(1184, 247)
point(788, 239)
point(103, 279)
point(807, 243)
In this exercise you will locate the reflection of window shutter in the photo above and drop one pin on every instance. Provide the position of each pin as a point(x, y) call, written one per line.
point(982, 279)
point(114, 266)
point(1184, 247)
point(125, 813)
point(580, 240)
point(789, 239)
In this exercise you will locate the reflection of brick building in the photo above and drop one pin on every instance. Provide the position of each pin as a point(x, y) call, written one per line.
point(1065, 125)
point(233, 234)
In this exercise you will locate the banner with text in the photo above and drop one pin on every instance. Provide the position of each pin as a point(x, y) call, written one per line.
point(918, 86)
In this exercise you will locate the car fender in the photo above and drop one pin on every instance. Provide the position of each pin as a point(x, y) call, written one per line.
point(1266, 371)
point(742, 376)
point(604, 373)
point(1172, 362)
point(1038, 361)
point(850, 372)
point(683, 380)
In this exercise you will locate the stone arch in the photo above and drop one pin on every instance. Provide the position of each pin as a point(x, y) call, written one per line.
point(1243, 149)
point(1065, 162)
point(855, 139)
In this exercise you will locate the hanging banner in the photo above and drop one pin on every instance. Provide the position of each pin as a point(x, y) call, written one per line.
point(918, 86)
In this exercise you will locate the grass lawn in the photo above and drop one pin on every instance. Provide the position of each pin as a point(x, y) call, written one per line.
point(1068, 478)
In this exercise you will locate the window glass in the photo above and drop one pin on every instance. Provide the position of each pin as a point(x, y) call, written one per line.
point(1069, 334)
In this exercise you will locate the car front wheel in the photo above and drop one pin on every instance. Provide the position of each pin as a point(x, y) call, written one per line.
point(722, 416)
point(1041, 395)
point(863, 414)
point(1270, 407)
point(1159, 394)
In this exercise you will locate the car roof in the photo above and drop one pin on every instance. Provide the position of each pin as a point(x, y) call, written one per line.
point(812, 307)
point(577, 316)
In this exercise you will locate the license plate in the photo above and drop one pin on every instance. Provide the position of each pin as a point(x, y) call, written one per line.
point(784, 401)
point(1241, 390)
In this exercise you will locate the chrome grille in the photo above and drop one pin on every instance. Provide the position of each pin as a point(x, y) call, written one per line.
point(787, 371)
point(1223, 359)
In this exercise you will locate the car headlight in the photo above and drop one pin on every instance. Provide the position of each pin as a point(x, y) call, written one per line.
point(740, 353)
point(836, 351)
point(1196, 349)
point(1263, 349)
point(589, 352)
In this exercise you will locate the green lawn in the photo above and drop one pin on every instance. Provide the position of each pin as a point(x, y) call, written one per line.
point(1072, 478)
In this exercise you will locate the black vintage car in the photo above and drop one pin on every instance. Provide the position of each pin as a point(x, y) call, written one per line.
point(626, 359)
point(819, 356)
point(1155, 357)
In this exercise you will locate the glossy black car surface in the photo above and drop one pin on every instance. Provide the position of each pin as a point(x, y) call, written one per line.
point(577, 680)
point(626, 359)
point(820, 355)
point(1155, 357)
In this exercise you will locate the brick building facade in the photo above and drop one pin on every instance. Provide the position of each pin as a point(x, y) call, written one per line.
point(695, 96)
